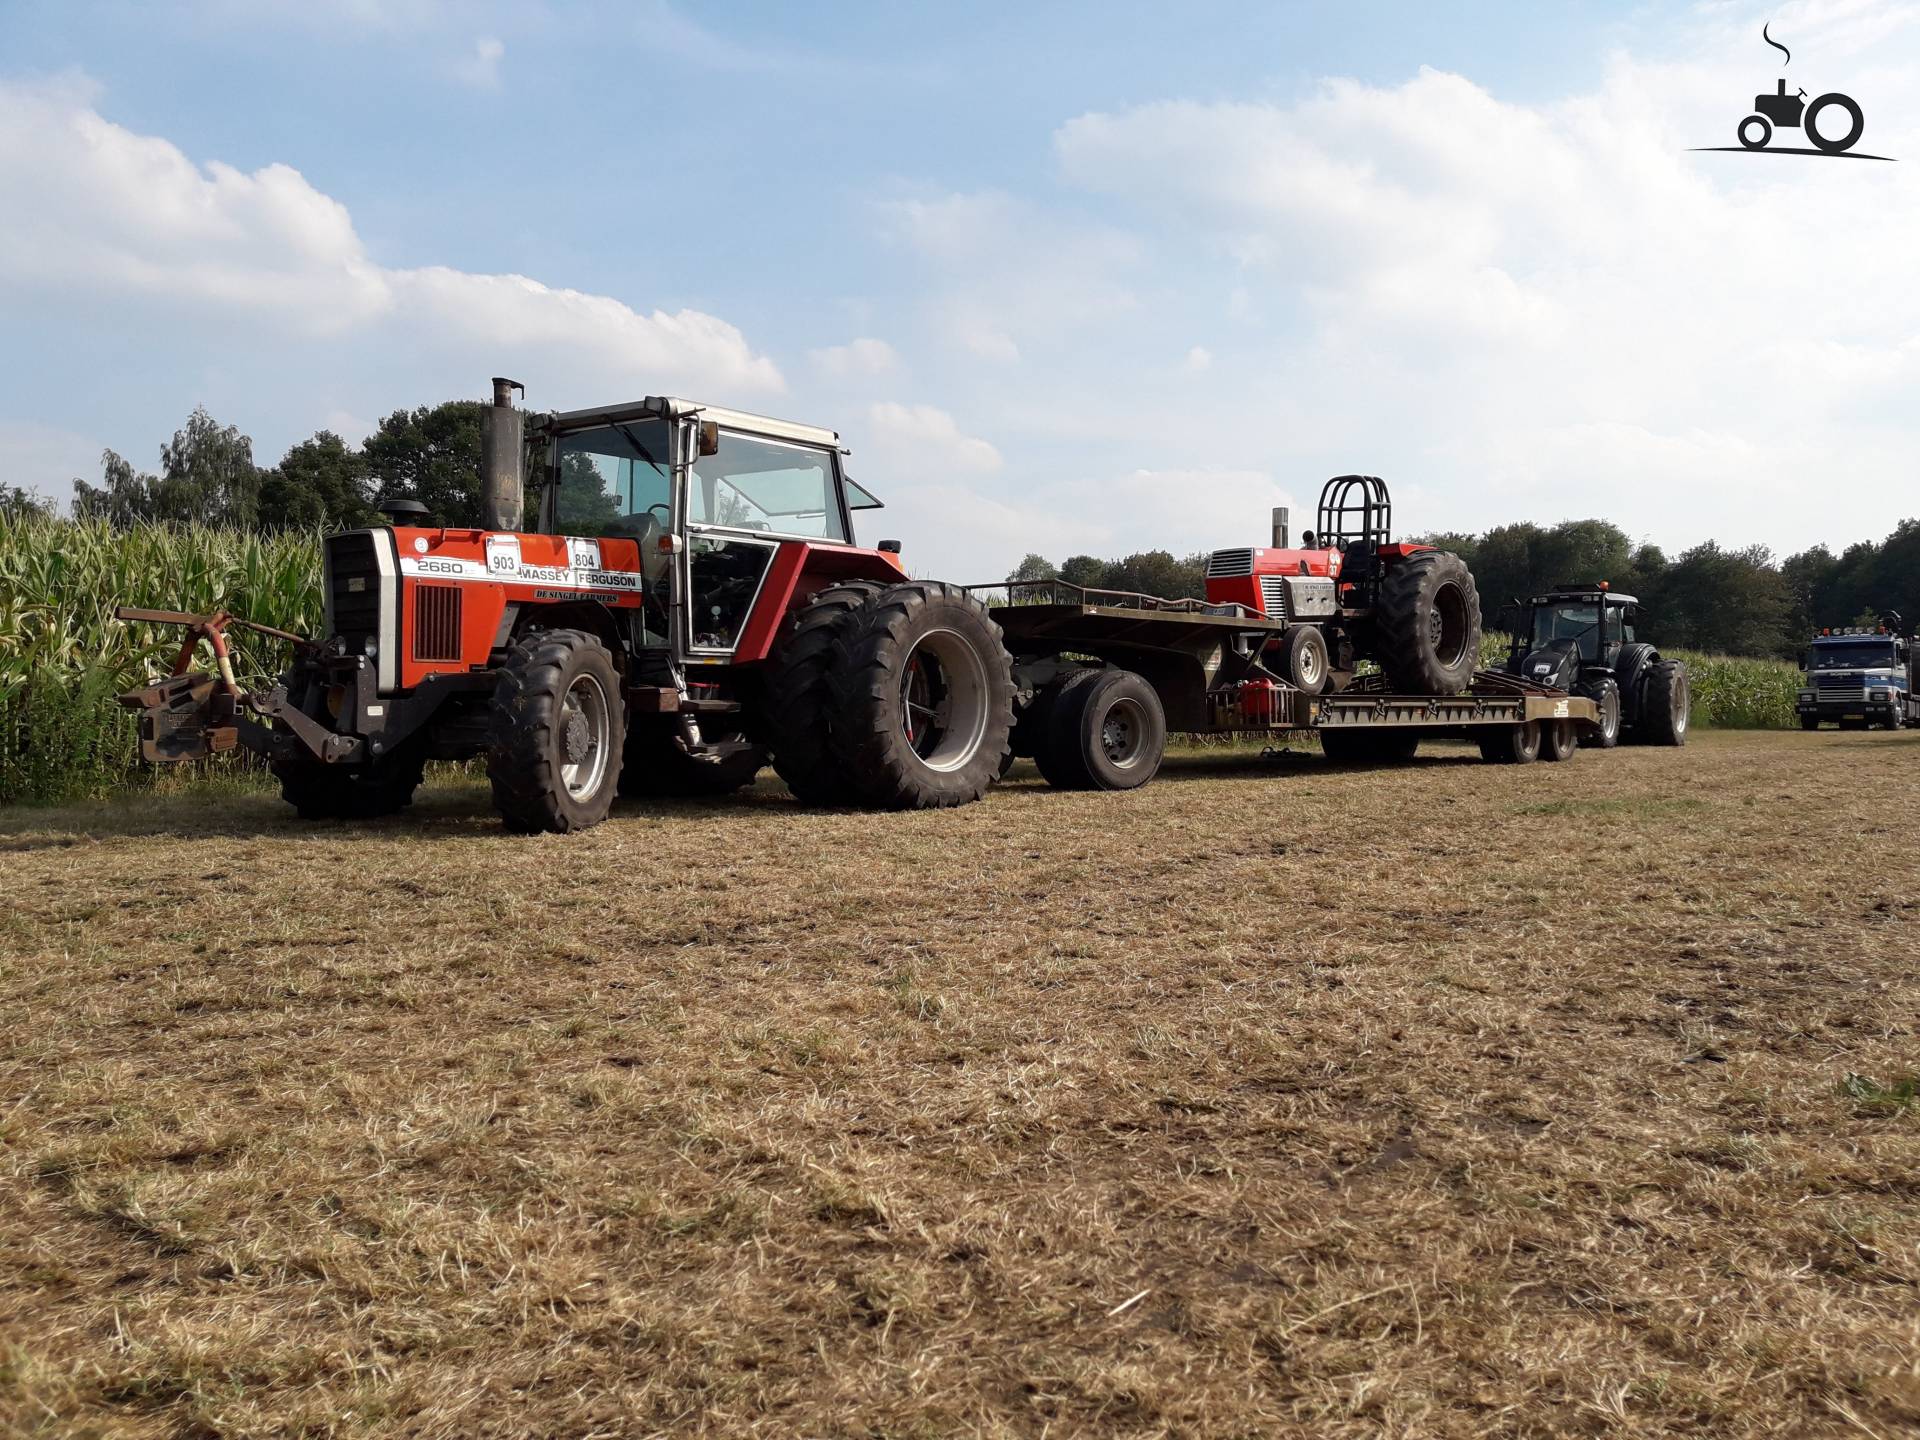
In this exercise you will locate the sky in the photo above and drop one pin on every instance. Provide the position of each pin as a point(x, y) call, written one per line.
point(1067, 278)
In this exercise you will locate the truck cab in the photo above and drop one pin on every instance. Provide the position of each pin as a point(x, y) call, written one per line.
point(1857, 676)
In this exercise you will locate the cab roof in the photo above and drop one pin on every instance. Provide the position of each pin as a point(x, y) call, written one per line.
point(1584, 592)
point(670, 407)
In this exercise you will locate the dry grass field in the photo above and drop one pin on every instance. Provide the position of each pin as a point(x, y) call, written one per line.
point(1271, 1100)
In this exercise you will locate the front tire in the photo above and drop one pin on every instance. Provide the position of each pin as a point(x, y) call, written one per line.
point(1427, 624)
point(1605, 694)
point(1303, 659)
point(1809, 722)
point(922, 699)
point(559, 728)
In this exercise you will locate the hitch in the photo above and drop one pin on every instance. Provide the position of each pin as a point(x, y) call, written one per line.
point(187, 715)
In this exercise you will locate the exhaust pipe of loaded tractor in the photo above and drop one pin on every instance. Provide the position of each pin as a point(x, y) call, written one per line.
point(502, 456)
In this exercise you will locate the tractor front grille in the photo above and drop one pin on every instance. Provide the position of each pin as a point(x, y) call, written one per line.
point(354, 588)
point(1273, 597)
point(1229, 563)
point(436, 622)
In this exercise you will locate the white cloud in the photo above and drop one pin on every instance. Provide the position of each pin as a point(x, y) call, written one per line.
point(481, 68)
point(860, 358)
point(1199, 359)
point(94, 208)
point(1556, 309)
point(921, 440)
point(1013, 278)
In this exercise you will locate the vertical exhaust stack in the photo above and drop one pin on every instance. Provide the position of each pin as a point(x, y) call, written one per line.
point(1279, 527)
point(502, 454)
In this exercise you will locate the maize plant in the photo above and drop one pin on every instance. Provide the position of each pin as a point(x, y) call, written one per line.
point(63, 657)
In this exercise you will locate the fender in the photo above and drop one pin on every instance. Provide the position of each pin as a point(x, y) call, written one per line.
point(799, 568)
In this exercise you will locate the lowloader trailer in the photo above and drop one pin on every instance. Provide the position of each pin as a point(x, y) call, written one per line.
point(1102, 677)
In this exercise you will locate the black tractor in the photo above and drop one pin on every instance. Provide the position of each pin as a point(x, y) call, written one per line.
point(1580, 638)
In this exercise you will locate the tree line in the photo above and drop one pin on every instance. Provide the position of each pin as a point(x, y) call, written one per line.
point(1710, 598)
point(207, 475)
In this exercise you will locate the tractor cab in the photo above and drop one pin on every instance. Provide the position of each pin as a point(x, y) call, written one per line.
point(709, 496)
point(1570, 634)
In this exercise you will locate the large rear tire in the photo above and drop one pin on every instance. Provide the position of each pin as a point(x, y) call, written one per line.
point(1427, 624)
point(558, 730)
point(797, 700)
point(922, 699)
point(1106, 730)
point(1665, 705)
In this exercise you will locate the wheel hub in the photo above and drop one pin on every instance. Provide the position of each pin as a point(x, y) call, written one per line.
point(577, 741)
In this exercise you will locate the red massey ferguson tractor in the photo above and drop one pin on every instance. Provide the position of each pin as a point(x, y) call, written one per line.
point(689, 603)
point(1348, 593)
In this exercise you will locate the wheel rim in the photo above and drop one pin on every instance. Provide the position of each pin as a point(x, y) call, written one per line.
point(1309, 663)
point(1682, 708)
point(943, 700)
point(1123, 733)
point(583, 737)
point(1447, 625)
point(1610, 715)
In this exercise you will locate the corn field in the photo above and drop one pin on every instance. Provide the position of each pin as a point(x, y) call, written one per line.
point(63, 657)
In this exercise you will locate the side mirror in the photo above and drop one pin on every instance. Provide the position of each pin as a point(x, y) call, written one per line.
point(709, 437)
point(1509, 617)
point(1801, 659)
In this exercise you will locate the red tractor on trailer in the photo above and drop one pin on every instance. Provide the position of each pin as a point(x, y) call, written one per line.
point(691, 604)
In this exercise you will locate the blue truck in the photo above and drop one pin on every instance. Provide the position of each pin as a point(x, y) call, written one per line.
point(1859, 675)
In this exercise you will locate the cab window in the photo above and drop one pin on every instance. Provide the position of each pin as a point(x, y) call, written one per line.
point(752, 483)
point(612, 479)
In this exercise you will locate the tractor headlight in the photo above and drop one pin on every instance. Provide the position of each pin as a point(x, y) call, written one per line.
point(1807, 697)
point(1876, 694)
point(371, 649)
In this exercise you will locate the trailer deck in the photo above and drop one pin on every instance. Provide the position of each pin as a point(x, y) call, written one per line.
point(1204, 663)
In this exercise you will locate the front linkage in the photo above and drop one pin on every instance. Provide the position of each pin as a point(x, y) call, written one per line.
point(190, 715)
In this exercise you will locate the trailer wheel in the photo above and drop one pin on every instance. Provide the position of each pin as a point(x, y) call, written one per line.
point(1303, 659)
point(1604, 691)
point(1665, 705)
point(1512, 744)
point(558, 730)
point(922, 699)
point(1106, 730)
point(1427, 624)
point(654, 767)
point(318, 791)
point(1030, 721)
point(796, 700)
point(1558, 741)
